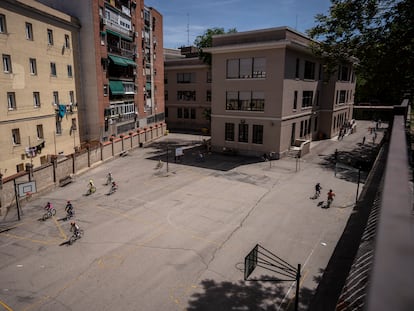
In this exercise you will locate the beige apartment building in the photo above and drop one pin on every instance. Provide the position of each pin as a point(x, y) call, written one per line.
point(187, 90)
point(38, 114)
point(269, 92)
point(121, 47)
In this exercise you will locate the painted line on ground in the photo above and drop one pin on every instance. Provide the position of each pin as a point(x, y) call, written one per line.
point(6, 307)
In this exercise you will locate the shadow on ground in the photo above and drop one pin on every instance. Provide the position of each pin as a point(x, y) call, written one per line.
point(348, 163)
point(191, 152)
point(247, 295)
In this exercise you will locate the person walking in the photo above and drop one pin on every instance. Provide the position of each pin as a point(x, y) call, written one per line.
point(331, 196)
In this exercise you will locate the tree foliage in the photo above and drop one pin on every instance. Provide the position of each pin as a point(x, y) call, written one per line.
point(380, 34)
point(206, 40)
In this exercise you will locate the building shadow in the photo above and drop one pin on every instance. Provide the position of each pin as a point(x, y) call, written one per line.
point(191, 151)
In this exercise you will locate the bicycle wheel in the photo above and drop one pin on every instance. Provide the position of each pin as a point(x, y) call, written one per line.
point(72, 239)
point(53, 212)
point(45, 216)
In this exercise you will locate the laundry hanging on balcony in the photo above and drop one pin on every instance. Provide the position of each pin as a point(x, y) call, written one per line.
point(61, 110)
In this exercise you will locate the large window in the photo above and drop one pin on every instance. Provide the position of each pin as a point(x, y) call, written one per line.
point(209, 76)
point(309, 70)
point(16, 137)
point(186, 95)
point(246, 68)
point(307, 99)
point(50, 37)
point(179, 113)
point(187, 77)
point(7, 65)
point(245, 101)
point(53, 69)
point(208, 96)
point(33, 67)
point(257, 134)
point(11, 101)
point(3, 27)
point(243, 132)
point(229, 132)
point(72, 97)
point(36, 99)
point(29, 31)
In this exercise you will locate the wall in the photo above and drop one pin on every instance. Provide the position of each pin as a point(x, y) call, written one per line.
point(48, 176)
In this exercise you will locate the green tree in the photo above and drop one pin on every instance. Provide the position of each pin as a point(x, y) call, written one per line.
point(206, 40)
point(380, 34)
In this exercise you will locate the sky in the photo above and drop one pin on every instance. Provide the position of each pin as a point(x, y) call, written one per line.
point(184, 20)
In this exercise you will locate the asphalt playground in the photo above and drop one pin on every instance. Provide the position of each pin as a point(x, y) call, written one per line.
point(175, 234)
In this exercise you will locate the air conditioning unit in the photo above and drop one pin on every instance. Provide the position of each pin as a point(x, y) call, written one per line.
point(104, 21)
point(136, 34)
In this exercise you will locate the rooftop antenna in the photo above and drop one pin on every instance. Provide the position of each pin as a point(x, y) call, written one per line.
point(188, 29)
point(296, 22)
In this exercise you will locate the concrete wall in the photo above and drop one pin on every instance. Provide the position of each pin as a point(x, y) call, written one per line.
point(49, 175)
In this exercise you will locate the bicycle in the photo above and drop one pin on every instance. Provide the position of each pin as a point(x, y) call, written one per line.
point(76, 236)
point(91, 190)
point(50, 212)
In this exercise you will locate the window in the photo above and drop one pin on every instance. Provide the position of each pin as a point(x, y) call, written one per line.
point(39, 131)
point(208, 96)
point(259, 67)
point(295, 100)
point(246, 68)
point(29, 31)
point(36, 99)
point(70, 74)
point(301, 129)
point(342, 95)
point(309, 70)
point(229, 132)
point(3, 28)
point(245, 101)
point(307, 99)
point(11, 101)
point(192, 113)
point(53, 69)
point(243, 132)
point(232, 99)
point(179, 113)
point(188, 77)
point(105, 89)
point(72, 97)
point(7, 67)
point(232, 68)
point(166, 112)
point(50, 37)
point(186, 113)
point(58, 125)
point(297, 70)
point(16, 136)
point(33, 67)
point(257, 101)
point(67, 42)
point(73, 126)
point(186, 95)
point(208, 76)
point(343, 73)
point(56, 98)
point(257, 134)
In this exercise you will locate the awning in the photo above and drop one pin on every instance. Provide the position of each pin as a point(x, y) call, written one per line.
point(116, 87)
point(121, 61)
point(118, 60)
point(119, 35)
